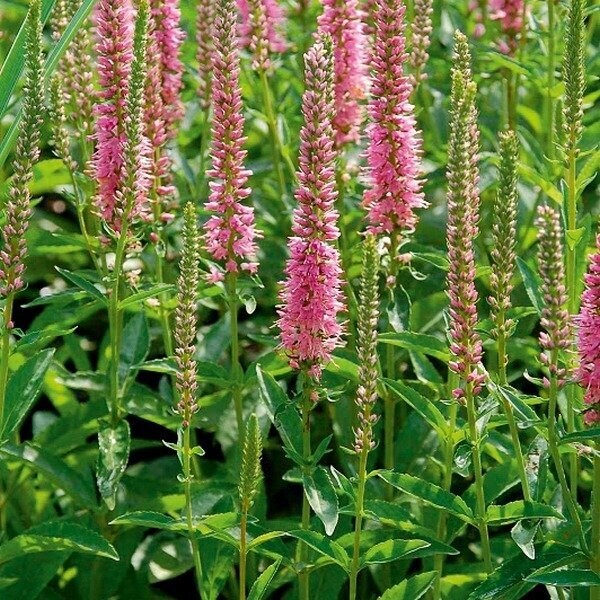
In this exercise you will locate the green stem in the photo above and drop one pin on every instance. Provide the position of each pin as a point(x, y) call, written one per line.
point(595, 541)
point(5, 350)
point(389, 407)
point(232, 300)
point(508, 410)
point(204, 141)
point(554, 452)
point(304, 578)
point(571, 277)
point(187, 476)
point(360, 501)
point(439, 559)
point(116, 325)
point(480, 512)
point(549, 125)
point(274, 135)
point(511, 100)
point(243, 553)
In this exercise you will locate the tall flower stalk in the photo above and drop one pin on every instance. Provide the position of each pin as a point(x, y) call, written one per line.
point(555, 339)
point(163, 109)
point(366, 394)
point(420, 39)
point(463, 216)
point(123, 194)
point(259, 30)
point(393, 154)
point(229, 234)
point(250, 475)
point(504, 234)
point(18, 207)
point(311, 297)
point(186, 325)
point(574, 78)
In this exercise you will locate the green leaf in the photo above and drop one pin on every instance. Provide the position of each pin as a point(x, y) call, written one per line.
point(425, 407)
point(142, 295)
point(14, 64)
point(532, 283)
point(410, 589)
point(518, 510)
point(418, 342)
point(56, 470)
point(391, 550)
point(322, 498)
point(82, 284)
point(323, 546)
point(581, 436)
point(150, 520)
point(113, 446)
point(343, 367)
point(135, 345)
point(398, 309)
point(429, 493)
point(57, 535)
point(566, 577)
point(523, 412)
point(23, 389)
point(532, 176)
point(261, 585)
point(523, 535)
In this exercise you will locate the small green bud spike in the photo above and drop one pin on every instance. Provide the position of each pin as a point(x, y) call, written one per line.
point(250, 472)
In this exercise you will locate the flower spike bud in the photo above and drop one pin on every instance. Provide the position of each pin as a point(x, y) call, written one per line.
point(250, 472)
point(555, 322)
point(421, 39)
point(504, 233)
point(205, 20)
point(18, 207)
point(463, 216)
point(368, 318)
point(186, 323)
point(260, 27)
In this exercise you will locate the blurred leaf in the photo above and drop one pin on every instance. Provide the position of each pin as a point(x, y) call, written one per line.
point(56, 470)
point(518, 510)
point(391, 550)
point(567, 577)
point(23, 389)
point(410, 589)
point(523, 534)
point(142, 295)
point(323, 546)
point(419, 342)
point(532, 283)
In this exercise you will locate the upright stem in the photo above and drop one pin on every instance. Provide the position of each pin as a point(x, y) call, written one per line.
point(358, 514)
point(116, 325)
point(204, 140)
point(480, 513)
point(389, 418)
point(274, 134)
point(447, 485)
point(232, 300)
point(5, 351)
point(243, 552)
point(187, 475)
point(550, 82)
point(571, 276)
point(508, 410)
point(304, 578)
point(553, 447)
point(595, 541)
point(511, 99)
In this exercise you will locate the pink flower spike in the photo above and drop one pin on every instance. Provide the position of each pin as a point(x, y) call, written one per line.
point(588, 322)
point(311, 297)
point(510, 15)
point(394, 149)
point(230, 233)
point(114, 21)
point(342, 20)
point(274, 24)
